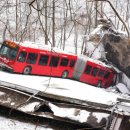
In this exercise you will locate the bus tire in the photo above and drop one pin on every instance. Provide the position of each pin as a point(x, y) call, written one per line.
point(99, 84)
point(27, 70)
point(65, 74)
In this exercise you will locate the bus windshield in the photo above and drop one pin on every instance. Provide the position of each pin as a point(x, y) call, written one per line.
point(8, 52)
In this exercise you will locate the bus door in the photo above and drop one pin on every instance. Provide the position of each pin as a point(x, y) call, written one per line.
point(54, 65)
point(62, 66)
point(72, 65)
point(26, 62)
point(43, 67)
point(100, 77)
point(108, 78)
point(20, 62)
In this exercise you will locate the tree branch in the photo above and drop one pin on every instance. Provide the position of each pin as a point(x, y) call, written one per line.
point(116, 14)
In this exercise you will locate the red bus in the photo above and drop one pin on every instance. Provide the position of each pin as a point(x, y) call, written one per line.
point(31, 59)
point(28, 58)
point(93, 72)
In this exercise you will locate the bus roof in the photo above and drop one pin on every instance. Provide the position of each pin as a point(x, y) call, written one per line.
point(41, 46)
point(86, 58)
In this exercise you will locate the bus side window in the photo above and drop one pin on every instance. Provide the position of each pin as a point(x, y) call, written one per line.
point(101, 73)
point(32, 57)
point(88, 69)
point(64, 62)
point(54, 61)
point(22, 56)
point(94, 71)
point(72, 63)
point(43, 60)
point(107, 75)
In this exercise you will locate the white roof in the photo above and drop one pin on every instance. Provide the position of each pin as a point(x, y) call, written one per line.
point(48, 47)
point(96, 61)
point(42, 46)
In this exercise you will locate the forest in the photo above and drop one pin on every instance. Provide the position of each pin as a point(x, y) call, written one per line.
point(67, 24)
point(55, 21)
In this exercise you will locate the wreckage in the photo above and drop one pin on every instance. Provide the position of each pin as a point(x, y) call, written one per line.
point(76, 103)
point(116, 45)
point(60, 101)
point(111, 46)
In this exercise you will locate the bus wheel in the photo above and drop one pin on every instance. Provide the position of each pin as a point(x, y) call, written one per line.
point(64, 74)
point(27, 70)
point(99, 84)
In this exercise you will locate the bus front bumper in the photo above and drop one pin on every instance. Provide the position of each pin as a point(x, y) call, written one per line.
point(5, 67)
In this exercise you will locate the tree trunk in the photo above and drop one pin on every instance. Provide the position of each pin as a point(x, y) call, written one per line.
point(53, 23)
point(46, 24)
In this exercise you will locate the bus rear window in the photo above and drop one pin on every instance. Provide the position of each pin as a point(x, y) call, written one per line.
point(64, 62)
point(94, 71)
point(72, 63)
point(54, 61)
point(88, 69)
point(32, 57)
point(107, 75)
point(101, 73)
point(43, 60)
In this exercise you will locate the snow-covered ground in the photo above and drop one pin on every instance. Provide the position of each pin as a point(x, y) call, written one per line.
point(11, 124)
point(61, 87)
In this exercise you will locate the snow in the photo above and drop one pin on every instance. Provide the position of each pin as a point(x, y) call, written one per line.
point(41, 46)
point(122, 83)
point(30, 107)
point(76, 114)
point(97, 31)
point(97, 53)
point(122, 88)
point(2, 93)
point(11, 124)
point(61, 87)
point(70, 113)
point(126, 81)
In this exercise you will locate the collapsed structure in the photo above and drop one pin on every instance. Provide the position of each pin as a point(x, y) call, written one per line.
point(111, 46)
point(116, 45)
point(61, 100)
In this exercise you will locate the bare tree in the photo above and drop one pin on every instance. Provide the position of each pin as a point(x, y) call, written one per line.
point(116, 14)
point(46, 24)
point(16, 20)
point(53, 22)
point(38, 19)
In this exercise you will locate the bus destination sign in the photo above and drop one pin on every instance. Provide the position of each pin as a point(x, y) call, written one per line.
point(11, 44)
